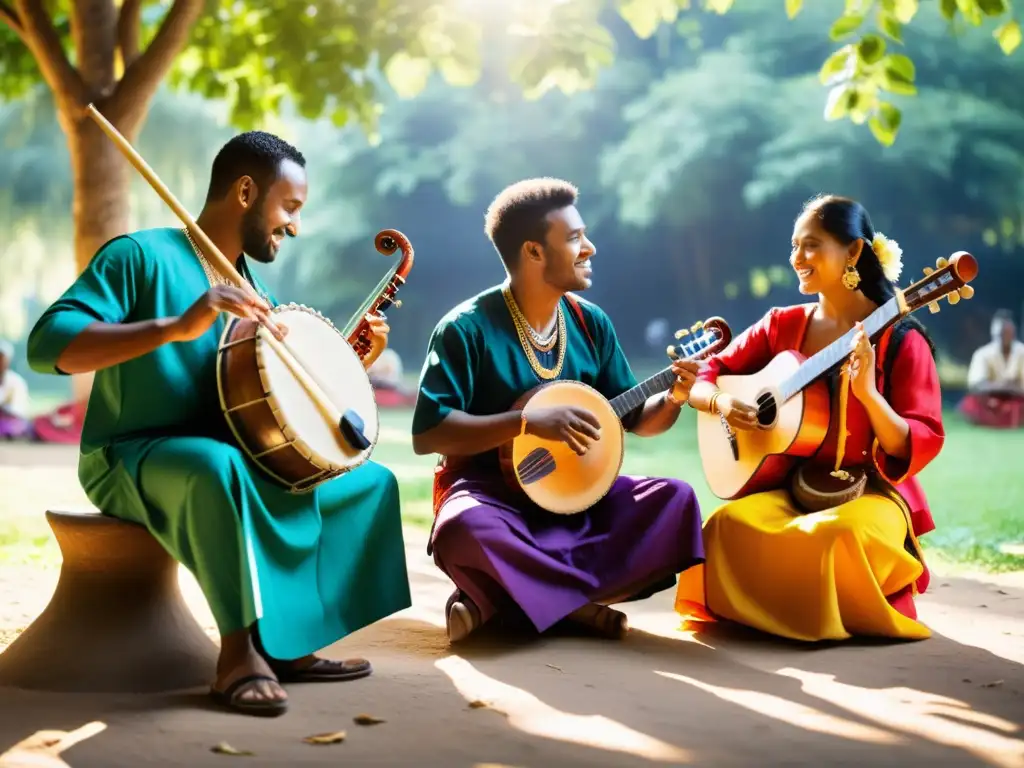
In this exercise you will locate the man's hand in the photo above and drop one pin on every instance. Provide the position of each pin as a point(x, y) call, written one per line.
point(223, 298)
point(576, 427)
point(379, 330)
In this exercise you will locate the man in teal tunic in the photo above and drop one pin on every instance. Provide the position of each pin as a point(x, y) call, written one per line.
point(507, 557)
point(285, 574)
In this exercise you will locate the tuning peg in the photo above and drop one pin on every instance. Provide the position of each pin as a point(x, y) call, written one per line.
point(953, 297)
point(928, 270)
point(397, 304)
point(670, 350)
point(681, 332)
point(934, 308)
point(941, 262)
point(967, 292)
point(697, 326)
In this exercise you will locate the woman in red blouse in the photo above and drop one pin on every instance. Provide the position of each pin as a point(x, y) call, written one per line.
point(853, 569)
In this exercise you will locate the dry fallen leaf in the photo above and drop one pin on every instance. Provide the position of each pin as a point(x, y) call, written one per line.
point(477, 704)
point(326, 738)
point(226, 749)
point(554, 667)
point(367, 720)
point(994, 684)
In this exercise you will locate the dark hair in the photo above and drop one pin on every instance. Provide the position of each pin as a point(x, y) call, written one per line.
point(517, 214)
point(1003, 315)
point(847, 220)
point(257, 154)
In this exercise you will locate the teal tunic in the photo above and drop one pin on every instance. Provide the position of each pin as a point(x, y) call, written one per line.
point(476, 363)
point(156, 450)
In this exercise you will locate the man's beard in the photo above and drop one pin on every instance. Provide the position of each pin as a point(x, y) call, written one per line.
point(255, 238)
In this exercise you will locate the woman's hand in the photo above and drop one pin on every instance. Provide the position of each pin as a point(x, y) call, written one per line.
point(738, 414)
point(379, 330)
point(862, 366)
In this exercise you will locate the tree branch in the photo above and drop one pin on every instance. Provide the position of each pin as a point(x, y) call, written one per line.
point(129, 22)
point(128, 104)
point(10, 17)
point(42, 40)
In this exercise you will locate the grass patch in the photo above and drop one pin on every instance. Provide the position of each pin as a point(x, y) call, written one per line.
point(973, 486)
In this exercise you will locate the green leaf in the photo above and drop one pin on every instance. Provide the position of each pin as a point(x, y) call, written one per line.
point(645, 16)
point(871, 48)
point(845, 25)
point(836, 64)
point(970, 11)
point(902, 66)
point(1008, 36)
point(721, 7)
point(885, 123)
point(408, 75)
point(904, 10)
point(993, 7)
point(841, 100)
point(890, 26)
point(793, 7)
point(948, 8)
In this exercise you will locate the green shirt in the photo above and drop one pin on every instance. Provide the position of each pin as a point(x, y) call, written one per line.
point(476, 364)
point(145, 275)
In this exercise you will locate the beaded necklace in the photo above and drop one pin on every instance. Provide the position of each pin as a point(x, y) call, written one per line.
point(212, 275)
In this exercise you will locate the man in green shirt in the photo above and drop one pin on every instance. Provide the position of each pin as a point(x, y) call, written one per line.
point(285, 574)
point(506, 556)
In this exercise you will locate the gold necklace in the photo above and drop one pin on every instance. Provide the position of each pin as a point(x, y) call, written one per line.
point(519, 320)
point(540, 343)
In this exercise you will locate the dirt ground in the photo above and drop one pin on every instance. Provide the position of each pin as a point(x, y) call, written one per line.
point(662, 696)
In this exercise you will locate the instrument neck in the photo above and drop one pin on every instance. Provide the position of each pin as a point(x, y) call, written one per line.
point(636, 396)
point(823, 361)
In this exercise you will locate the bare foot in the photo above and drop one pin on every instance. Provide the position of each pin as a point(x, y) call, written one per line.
point(603, 620)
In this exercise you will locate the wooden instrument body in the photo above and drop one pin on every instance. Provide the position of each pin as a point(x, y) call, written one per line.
point(789, 432)
point(580, 481)
point(273, 417)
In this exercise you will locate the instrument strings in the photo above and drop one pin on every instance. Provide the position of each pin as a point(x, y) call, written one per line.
point(356, 318)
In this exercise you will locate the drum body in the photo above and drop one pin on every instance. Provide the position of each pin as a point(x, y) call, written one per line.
point(271, 414)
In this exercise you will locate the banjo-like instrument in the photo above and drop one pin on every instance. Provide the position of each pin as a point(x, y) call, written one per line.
point(302, 409)
point(554, 476)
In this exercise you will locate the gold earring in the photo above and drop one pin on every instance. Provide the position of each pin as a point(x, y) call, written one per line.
point(851, 277)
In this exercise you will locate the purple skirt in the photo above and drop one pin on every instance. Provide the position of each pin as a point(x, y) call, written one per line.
point(14, 427)
point(497, 546)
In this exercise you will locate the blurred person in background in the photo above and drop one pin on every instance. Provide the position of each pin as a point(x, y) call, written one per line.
point(14, 398)
point(995, 379)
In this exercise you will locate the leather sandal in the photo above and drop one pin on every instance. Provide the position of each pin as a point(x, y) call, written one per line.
point(230, 698)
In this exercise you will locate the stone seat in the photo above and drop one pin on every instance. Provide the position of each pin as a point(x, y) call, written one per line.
point(117, 621)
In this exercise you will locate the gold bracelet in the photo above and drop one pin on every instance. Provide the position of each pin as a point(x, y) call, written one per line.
point(713, 403)
point(522, 426)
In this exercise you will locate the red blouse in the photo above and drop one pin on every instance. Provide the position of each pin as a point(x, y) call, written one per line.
point(914, 395)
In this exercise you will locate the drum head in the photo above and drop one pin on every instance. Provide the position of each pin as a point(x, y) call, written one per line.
point(327, 357)
point(578, 482)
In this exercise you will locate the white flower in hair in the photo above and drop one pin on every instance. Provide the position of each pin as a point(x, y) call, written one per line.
point(890, 256)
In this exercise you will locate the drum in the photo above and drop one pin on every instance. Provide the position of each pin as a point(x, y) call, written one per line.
point(814, 487)
point(272, 415)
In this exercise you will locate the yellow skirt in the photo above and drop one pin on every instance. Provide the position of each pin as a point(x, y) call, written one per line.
point(819, 576)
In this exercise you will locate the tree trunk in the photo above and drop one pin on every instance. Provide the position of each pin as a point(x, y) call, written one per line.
point(101, 203)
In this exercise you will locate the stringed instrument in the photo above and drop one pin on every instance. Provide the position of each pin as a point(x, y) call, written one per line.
point(792, 397)
point(302, 409)
point(554, 476)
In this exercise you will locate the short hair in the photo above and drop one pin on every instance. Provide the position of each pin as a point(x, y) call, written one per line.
point(517, 214)
point(255, 153)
